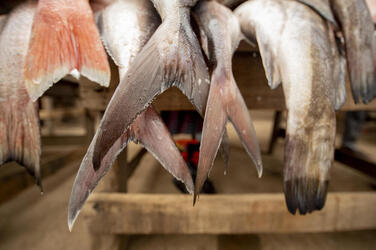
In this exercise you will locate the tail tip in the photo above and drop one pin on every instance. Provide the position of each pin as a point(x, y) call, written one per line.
point(72, 216)
point(305, 195)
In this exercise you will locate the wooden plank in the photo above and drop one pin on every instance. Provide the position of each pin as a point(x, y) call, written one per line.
point(224, 214)
point(14, 178)
point(59, 113)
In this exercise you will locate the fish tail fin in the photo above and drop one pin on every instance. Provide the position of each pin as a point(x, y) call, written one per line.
point(358, 30)
point(239, 116)
point(149, 130)
point(20, 136)
point(225, 103)
point(72, 43)
point(157, 67)
point(309, 155)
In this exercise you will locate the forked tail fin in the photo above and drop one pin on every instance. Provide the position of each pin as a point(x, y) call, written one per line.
point(64, 38)
point(149, 130)
point(161, 64)
point(225, 103)
point(20, 135)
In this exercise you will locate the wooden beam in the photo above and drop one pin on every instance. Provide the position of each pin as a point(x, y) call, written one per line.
point(113, 213)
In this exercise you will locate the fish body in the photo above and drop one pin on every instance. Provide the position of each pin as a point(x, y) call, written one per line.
point(220, 34)
point(172, 57)
point(73, 45)
point(296, 49)
point(126, 25)
point(19, 118)
point(357, 27)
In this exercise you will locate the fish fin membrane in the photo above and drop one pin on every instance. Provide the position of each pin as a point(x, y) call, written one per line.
point(154, 70)
point(20, 136)
point(63, 39)
point(149, 130)
point(106, 43)
point(225, 103)
point(357, 27)
point(269, 61)
point(321, 7)
point(224, 150)
point(308, 158)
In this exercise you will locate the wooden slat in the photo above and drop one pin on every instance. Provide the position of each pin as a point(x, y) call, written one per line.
point(113, 213)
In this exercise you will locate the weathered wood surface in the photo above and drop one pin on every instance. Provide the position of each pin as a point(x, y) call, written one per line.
point(14, 178)
point(223, 214)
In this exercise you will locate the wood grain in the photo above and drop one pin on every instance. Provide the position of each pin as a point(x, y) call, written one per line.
point(114, 213)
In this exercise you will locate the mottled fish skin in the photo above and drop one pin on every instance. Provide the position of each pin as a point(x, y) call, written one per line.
point(19, 119)
point(220, 31)
point(73, 45)
point(302, 53)
point(126, 25)
point(357, 27)
point(172, 57)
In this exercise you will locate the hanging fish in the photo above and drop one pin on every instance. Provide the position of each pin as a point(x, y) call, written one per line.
point(297, 49)
point(172, 57)
point(126, 25)
point(19, 119)
point(357, 27)
point(220, 36)
point(64, 39)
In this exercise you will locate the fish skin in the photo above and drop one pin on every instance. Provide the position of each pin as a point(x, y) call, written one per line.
point(302, 44)
point(357, 27)
point(126, 25)
point(221, 32)
point(19, 118)
point(172, 57)
point(322, 7)
point(73, 44)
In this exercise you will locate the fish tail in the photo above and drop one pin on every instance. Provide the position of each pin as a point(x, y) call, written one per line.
point(309, 153)
point(20, 135)
point(225, 103)
point(358, 31)
point(149, 130)
point(63, 38)
point(161, 64)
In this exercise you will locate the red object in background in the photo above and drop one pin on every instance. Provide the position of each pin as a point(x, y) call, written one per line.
point(189, 149)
